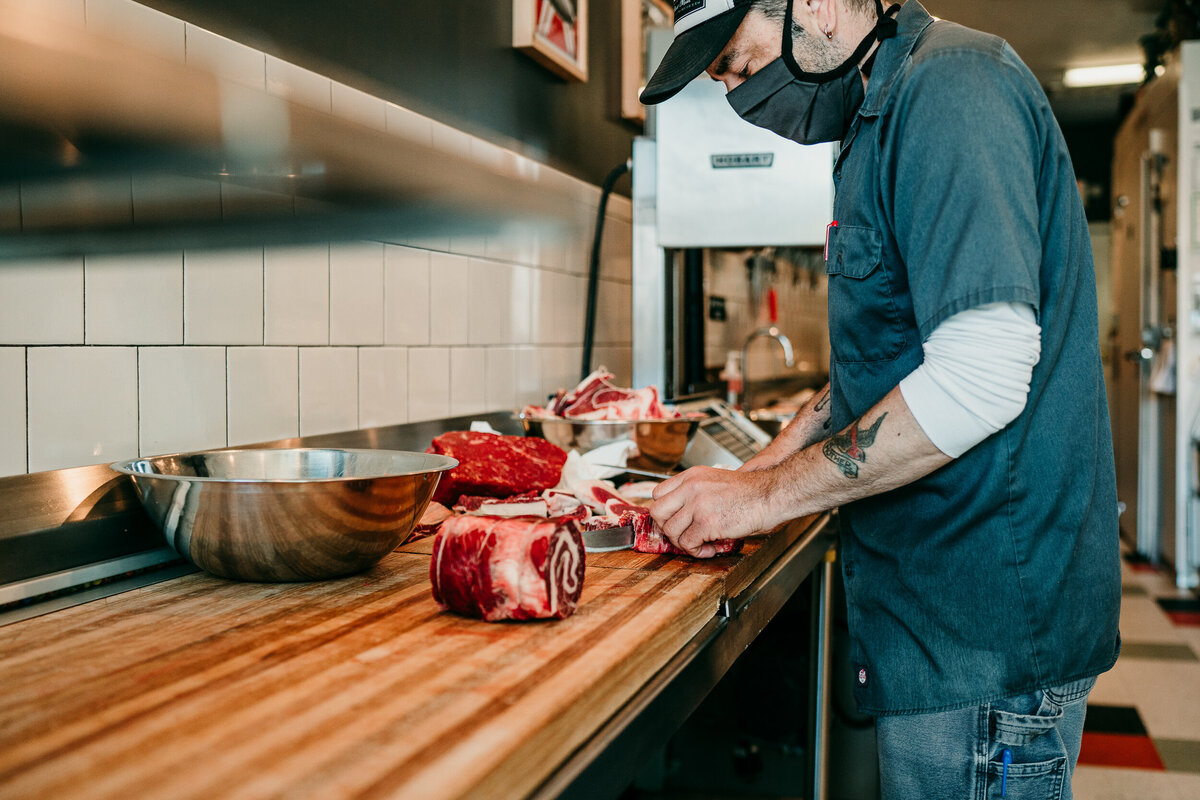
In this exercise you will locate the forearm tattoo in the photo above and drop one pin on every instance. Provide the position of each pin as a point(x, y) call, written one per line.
point(822, 404)
point(849, 449)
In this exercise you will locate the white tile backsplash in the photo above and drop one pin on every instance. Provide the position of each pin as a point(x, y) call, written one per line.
point(618, 360)
point(225, 57)
point(521, 302)
point(357, 105)
point(428, 383)
point(468, 376)
point(405, 295)
point(382, 386)
point(298, 84)
point(296, 295)
point(570, 309)
point(616, 249)
point(70, 11)
point(451, 140)
point(138, 25)
point(41, 301)
point(134, 298)
point(204, 348)
point(83, 406)
point(264, 398)
point(490, 303)
point(559, 303)
point(501, 378)
point(614, 313)
point(530, 388)
point(559, 368)
point(223, 297)
point(328, 389)
point(12, 410)
point(449, 322)
point(409, 124)
point(181, 399)
point(541, 298)
point(356, 294)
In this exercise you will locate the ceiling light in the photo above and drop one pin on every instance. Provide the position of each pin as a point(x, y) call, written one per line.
point(1112, 75)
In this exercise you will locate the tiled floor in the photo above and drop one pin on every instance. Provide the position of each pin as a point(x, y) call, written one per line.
point(1142, 736)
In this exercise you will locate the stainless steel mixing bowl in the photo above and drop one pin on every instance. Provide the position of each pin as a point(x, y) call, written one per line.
point(661, 442)
point(289, 514)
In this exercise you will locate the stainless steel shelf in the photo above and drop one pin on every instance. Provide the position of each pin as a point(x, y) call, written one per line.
point(85, 118)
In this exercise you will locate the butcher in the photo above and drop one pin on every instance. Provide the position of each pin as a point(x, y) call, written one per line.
point(964, 433)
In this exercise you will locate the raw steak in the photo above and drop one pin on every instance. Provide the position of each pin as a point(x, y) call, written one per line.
point(493, 465)
point(565, 504)
point(646, 537)
point(596, 397)
point(498, 568)
point(597, 494)
point(523, 505)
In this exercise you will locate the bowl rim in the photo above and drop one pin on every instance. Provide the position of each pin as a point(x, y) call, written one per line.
point(126, 467)
point(573, 421)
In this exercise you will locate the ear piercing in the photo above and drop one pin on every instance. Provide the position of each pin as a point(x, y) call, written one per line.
point(829, 33)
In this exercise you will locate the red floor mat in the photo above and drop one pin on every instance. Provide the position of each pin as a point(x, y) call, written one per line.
point(1119, 750)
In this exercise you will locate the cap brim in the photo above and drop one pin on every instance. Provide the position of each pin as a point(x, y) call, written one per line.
point(691, 53)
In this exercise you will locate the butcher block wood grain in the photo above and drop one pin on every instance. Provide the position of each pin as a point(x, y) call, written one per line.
point(356, 688)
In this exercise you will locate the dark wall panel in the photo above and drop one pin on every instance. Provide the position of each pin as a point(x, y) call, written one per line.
point(451, 60)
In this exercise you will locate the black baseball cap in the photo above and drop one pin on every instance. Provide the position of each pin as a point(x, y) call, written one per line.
point(702, 29)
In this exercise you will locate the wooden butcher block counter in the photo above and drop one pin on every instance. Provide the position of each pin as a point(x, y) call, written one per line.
point(355, 688)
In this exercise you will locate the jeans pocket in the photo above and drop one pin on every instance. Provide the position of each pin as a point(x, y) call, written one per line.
point(1026, 756)
point(1021, 730)
point(1026, 780)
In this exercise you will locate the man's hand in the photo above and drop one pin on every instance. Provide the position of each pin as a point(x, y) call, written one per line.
point(881, 451)
point(706, 504)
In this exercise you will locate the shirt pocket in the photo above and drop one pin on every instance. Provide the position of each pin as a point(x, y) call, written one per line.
point(864, 320)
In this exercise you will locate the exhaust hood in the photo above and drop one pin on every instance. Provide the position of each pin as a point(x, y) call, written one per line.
point(87, 122)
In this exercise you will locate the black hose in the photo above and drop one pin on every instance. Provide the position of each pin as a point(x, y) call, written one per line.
point(589, 327)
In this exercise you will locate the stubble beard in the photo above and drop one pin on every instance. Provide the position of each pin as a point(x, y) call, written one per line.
point(817, 55)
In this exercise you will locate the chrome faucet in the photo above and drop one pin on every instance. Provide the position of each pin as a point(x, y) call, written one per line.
point(771, 333)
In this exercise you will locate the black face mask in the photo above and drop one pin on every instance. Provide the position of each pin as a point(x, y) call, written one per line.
point(808, 107)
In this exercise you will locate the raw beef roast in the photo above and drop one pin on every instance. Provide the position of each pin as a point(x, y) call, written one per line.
point(493, 465)
point(598, 398)
point(508, 568)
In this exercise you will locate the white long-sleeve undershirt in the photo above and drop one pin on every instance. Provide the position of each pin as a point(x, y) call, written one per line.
point(976, 374)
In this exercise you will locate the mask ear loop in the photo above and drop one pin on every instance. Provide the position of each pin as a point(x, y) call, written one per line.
point(885, 28)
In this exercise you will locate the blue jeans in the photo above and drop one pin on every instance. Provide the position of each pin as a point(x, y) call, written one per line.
point(960, 755)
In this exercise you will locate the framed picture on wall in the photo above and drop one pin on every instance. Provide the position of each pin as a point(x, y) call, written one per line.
point(554, 34)
point(638, 17)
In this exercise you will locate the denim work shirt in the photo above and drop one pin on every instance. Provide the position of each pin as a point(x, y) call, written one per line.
point(998, 574)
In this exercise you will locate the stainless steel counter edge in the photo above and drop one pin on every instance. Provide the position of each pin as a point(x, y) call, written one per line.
point(612, 758)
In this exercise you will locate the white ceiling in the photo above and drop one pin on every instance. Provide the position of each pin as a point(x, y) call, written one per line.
point(1052, 35)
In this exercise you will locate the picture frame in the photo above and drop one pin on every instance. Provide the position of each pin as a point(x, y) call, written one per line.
point(637, 17)
point(554, 34)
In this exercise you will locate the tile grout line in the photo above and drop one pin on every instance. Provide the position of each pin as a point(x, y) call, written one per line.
point(27, 445)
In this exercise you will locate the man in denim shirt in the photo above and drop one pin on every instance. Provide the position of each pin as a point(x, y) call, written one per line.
point(964, 433)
